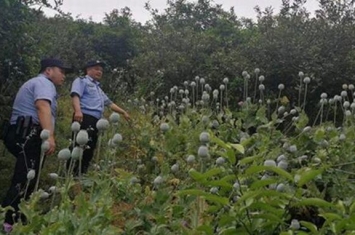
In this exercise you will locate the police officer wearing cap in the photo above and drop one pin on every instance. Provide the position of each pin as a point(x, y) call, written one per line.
point(89, 102)
point(34, 109)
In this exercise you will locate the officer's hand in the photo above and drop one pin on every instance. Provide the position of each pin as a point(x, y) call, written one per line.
point(78, 116)
point(126, 116)
point(51, 149)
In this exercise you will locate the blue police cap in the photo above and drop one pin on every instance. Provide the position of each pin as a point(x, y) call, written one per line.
point(51, 62)
point(93, 63)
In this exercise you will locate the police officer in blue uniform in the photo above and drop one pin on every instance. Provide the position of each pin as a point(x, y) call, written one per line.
point(88, 102)
point(34, 109)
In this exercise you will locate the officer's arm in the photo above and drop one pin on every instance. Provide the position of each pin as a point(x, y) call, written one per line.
point(45, 115)
point(76, 103)
point(78, 115)
point(45, 119)
point(116, 108)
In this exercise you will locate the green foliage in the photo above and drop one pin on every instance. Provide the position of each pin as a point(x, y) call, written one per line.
point(204, 196)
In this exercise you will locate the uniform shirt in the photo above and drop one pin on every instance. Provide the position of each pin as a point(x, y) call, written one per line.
point(92, 98)
point(37, 88)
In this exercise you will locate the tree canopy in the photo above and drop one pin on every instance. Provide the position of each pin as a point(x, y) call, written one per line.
point(188, 39)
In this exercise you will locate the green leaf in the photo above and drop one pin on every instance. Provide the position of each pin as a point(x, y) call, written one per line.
point(261, 115)
point(331, 216)
point(310, 227)
point(185, 120)
point(227, 146)
point(219, 142)
point(340, 205)
point(224, 182)
point(238, 147)
point(217, 199)
point(345, 224)
point(202, 178)
point(273, 117)
point(220, 183)
point(313, 202)
point(287, 233)
point(213, 209)
point(256, 169)
point(247, 142)
point(212, 172)
point(259, 194)
point(274, 193)
point(281, 172)
point(225, 220)
point(266, 207)
point(246, 195)
point(248, 160)
point(229, 178)
point(302, 121)
point(195, 192)
point(262, 183)
point(231, 156)
point(266, 126)
point(352, 208)
point(249, 202)
point(207, 229)
point(196, 175)
point(222, 153)
point(319, 134)
point(232, 231)
point(307, 176)
point(213, 198)
point(268, 216)
point(133, 223)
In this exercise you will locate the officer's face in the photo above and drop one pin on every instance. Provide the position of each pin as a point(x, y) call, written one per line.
point(57, 75)
point(95, 72)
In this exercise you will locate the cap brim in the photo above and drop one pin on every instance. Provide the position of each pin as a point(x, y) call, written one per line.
point(67, 69)
point(102, 64)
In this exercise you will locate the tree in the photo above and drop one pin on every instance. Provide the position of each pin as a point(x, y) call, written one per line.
point(188, 40)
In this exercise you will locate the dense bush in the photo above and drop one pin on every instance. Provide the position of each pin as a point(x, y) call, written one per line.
point(176, 169)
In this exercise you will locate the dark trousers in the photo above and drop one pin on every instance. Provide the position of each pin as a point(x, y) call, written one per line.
point(27, 153)
point(89, 124)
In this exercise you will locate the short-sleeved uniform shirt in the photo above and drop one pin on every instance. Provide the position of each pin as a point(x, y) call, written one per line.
point(92, 99)
point(37, 88)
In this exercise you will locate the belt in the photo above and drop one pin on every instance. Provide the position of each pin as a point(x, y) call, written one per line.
point(24, 126)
